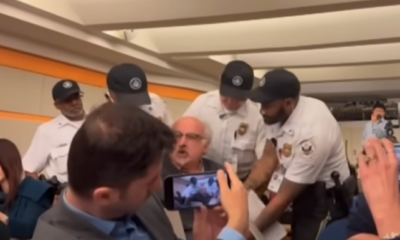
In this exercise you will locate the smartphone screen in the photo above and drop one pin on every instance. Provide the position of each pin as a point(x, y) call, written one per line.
point(397, 148)
point(191, 191)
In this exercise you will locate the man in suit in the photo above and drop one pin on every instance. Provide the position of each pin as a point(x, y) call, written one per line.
point(114, 165)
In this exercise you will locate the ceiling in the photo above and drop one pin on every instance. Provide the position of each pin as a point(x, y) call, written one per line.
point(335, 47)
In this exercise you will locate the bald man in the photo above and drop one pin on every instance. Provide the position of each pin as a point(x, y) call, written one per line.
point(192, 142)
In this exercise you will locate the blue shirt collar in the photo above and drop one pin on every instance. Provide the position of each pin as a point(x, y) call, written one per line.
point(105, 226)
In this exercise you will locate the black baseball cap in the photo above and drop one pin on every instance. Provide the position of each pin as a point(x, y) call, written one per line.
point(64, 89)
point(236, 80)
point(128, 81)
point(276, 84)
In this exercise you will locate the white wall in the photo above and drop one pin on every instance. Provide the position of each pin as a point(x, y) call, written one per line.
point(29, 94)
point(352, 136)
point(176, 107)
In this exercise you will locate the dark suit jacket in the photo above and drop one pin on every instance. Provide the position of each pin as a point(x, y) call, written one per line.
point(4, 232)
point(61, 223)
point(187, 216)
point(33, 199)
point(360, 219)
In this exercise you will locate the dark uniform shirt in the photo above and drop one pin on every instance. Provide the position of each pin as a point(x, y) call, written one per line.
point(187, 216)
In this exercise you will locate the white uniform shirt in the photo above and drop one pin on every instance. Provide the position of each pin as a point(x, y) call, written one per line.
point(158, 109)
point(310, 145)
point(50, 146)
point(212, 189)
point(248, 144)
point(190, 190)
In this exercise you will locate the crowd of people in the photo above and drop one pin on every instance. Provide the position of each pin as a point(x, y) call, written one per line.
point(270, 140)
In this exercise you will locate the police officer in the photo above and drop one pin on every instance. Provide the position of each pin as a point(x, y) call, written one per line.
point(238, 131)
point(128, 82)
point(309, 148)
point(50, 145)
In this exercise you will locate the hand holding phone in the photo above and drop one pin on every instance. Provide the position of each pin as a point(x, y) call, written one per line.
point(234, 199)
point(192, 191)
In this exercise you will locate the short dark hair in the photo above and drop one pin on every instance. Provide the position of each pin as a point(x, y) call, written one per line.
point(379, 105)
point(116, 145)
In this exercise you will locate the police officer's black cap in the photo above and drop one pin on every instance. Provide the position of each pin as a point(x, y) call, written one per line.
point(276, 84)
point(129, 83)
point(63, 89)
point(236, 80)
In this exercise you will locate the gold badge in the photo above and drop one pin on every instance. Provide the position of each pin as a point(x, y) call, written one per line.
point(287, 150)
point(242, 130)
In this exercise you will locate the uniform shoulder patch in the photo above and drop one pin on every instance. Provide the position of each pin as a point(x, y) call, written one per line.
point(307, 148)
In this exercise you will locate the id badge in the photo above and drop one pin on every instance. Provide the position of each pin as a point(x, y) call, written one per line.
point(233, 161)
point(276, 181)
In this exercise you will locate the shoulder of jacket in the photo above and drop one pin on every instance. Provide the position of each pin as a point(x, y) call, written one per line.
point(34, 189)
point(48, 229)
point(213, 166)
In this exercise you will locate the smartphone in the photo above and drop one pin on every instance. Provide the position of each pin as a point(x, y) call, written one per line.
point(397, 149)
point(190, 191)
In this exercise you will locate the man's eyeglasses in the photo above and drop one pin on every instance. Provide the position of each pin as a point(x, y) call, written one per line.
point(189, 136)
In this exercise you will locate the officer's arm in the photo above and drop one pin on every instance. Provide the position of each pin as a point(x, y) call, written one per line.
point(35, 158)
point(308, 161)
point(263, 168)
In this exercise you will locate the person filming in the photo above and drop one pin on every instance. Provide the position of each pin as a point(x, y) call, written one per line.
point(376, 127)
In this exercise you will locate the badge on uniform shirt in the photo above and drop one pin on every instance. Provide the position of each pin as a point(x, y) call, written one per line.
point(242, 130)
point(287, 150)
point(307, 148)
point(275, 182)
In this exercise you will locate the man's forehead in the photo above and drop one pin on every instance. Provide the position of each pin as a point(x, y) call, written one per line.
point(189, 125)
point(379, 109)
